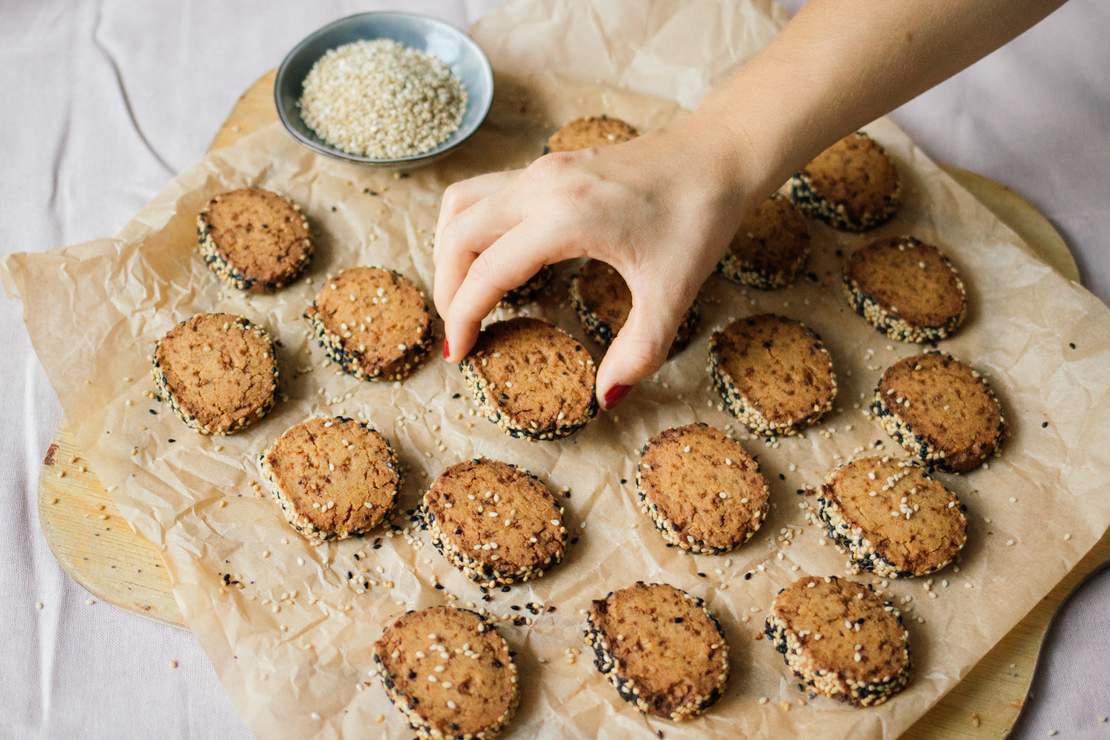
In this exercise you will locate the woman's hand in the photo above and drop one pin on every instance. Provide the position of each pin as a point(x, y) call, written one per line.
point(659, 209)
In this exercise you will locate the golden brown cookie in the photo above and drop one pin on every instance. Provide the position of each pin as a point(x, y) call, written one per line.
point(774, 374)
point(449, 672)
point(906, 289)
point(590, 132)
point(841, 639)
point(701, 488)
point(891, 518)
point(941, 411)
point(770, 248)
point(603, 301)
point(660, 647)
point(531, 379)
point(495, 522)
point(218, 371)
point(254, 239)
point(333, 477)
point(853, 185)
point(372, 322)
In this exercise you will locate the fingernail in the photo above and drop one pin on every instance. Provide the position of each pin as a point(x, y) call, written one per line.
point(614, 395)
point(446, 349)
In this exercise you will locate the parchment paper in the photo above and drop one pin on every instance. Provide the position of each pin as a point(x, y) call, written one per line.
point(289, 626)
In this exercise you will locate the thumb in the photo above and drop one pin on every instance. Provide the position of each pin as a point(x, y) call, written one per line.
point(640, 347)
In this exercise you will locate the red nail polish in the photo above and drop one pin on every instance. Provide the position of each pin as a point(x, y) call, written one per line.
point(446, 349)
point(615, 394)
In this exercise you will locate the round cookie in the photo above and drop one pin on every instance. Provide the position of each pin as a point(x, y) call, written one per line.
point(941, 411)
point(770, 248)
point(891, 518)
point(494, 522)
point(254, 239)
point(660, 647)
point(531, 379)
point(332, 477)
point(853, 185)
point(906, 289)
point(774, 374)
point(522, 294)
point(372, 322)
point(449, 672)
point(840, 639)
point(603, 301)
point(590, 132)
point(218, 371)
point(701, 488)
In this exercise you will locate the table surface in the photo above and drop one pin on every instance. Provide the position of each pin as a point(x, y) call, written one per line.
point(114, 98)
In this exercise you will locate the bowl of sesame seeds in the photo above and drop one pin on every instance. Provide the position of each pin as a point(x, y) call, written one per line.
point(384, 89)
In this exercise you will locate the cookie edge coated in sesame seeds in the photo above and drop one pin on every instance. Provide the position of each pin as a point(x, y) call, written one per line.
point(835, 214)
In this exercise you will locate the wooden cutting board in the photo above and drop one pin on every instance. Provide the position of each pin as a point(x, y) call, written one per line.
point(100, 551)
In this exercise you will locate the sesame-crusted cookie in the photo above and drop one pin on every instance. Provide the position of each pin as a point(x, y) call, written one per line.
point(906, 289)
point(770, 248)
point(603, 301)
point(891, 518)
point(372, 322)
point(332, 477)
point(661, 648)
point(703, 491)
point(218, 371)
point(853, 185)
point(254, 239)
point(531, 379)
point(941, 411)
point(773, 373)
point(522, 294)
point(495, 522)
point(590, 132)
point(449, 672)
point(840, 639)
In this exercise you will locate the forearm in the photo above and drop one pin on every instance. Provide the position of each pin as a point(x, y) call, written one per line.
point(839, 64)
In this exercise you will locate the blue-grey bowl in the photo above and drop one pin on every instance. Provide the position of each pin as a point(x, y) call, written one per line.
point(453, 47)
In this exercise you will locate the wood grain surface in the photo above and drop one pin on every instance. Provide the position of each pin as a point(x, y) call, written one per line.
point(97, 547)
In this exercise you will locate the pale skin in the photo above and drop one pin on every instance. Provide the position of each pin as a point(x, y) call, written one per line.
point(662, 208)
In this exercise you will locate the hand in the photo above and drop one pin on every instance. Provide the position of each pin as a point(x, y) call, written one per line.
point(659, 209)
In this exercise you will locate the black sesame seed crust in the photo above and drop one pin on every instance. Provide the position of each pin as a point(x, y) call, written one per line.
point(835, 684)
point(835, 214)
point(162, 385)
point(607, 664)
point(302, 523)
point(602, 332)
point(227, 273)
point(742, 272)
point(422, 727)
point(889, 323)
point(524, 293)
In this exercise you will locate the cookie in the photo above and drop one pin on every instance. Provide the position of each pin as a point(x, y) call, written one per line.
point(603, 301)
point(941, 411)
point(522, 294)
point(531, 379)
point(701, 488)
point(770, 248)
point(494, 522)
point(660, 647)
point(332, 477)
point(590, 132)
point(774, 374)
point(841, 640)
point(218, 371)
point(906, 289)
point(891, 518)
point(372, 322)
point(853, 185)
point(449, 672)
point(254, 239)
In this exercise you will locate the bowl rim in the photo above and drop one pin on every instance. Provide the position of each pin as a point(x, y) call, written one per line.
point(336, 153)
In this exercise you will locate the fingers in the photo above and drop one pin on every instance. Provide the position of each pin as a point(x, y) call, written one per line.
point(465, 236)
point(640, 347)
point(510, 261)
point(465, 193)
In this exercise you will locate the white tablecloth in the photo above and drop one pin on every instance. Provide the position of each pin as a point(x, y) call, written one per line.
point(106, 100)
